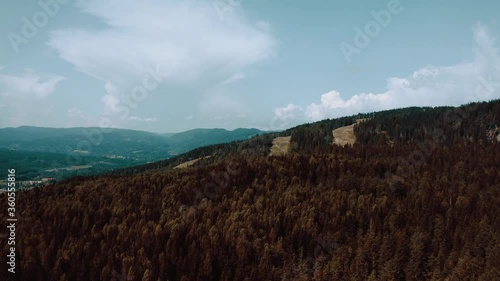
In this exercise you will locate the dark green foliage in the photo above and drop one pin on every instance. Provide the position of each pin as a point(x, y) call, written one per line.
point(192, 139)
point(256, 146)
point(143, 146)
point(317, 135)
point(465, 124)
point(37, 152)
point(32, 165)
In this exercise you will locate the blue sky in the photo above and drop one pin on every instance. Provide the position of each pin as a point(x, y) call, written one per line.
point(168, 66)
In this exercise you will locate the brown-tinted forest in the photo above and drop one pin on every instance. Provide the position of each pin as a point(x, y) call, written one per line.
point(417, 198)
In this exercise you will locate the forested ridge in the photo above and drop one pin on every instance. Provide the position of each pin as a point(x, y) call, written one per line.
point(61, 153)
point(416, 198)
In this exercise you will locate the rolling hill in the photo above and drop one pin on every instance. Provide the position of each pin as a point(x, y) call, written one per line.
point(416, 197)
point(55, 152)
point(189, 140)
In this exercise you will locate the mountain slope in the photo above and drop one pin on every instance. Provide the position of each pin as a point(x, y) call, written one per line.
point(59, 150)
point(368, 211)
point(185, 141)
point(100, 142)
point(63, 153)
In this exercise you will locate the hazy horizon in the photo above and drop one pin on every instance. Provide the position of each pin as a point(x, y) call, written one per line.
point(139, 130)
point(189, 129)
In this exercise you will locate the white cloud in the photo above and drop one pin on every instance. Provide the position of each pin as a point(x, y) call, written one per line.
point(187, 38)
point(478, 80)
point(141, 119)
point(29, 83)
point(111, 100)
point(332, 103)
point(288, 112)
point(27, 97)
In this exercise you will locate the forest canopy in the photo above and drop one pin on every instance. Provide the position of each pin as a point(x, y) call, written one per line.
point(417, 197)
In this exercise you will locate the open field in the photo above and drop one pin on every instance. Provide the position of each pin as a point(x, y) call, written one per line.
point(345, 135)
point(189, 163)
point(71, 168)
point(281, 145)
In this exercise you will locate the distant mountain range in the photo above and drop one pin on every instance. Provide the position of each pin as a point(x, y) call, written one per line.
point(185, 141)
point(61, 152)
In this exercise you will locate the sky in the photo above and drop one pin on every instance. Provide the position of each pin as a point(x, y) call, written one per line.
point(174, 65)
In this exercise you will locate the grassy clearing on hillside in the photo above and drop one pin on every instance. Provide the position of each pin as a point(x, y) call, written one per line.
point(189, 163)
point(281, 146)
point(345, 135)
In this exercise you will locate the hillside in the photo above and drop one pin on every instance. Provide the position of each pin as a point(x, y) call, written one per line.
point(55, 152)
point(136, 145)
point(33, 165)
point(281, 146)
point(415, 198)
point(189, 140)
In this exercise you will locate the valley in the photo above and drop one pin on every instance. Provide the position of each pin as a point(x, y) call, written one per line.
point(39, 153)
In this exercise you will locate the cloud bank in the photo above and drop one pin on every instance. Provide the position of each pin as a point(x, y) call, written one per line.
point(190, 39)
point(25, 96)
point(28, 83)
point(477, 80)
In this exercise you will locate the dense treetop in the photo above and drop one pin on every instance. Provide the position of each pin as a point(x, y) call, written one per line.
point(416, 198)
